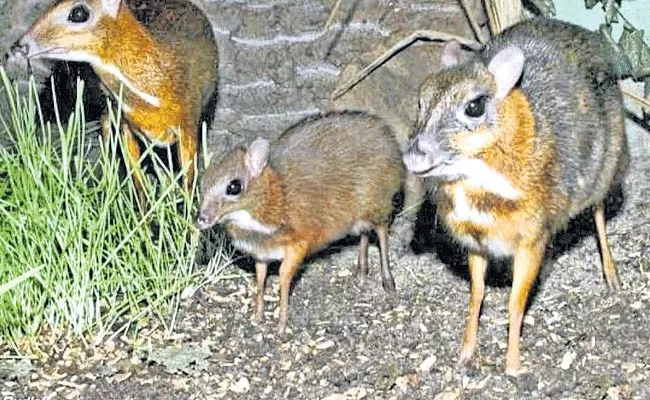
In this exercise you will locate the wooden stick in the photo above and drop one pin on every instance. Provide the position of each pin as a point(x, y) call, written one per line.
point(399, 46)
point(503, 13)
point(473, 22)
point(333, 13)
point(638, 99)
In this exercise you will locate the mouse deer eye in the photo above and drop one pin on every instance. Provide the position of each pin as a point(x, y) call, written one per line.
point(79, 14)
point(476, 107)
point(234, 188)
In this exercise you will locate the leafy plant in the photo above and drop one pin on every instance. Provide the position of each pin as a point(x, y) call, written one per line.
point(635, 60)
point(77, 256)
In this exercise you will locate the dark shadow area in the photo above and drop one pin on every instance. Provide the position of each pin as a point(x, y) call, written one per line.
point(583, 226)
point(65, 76)
point(431, 237)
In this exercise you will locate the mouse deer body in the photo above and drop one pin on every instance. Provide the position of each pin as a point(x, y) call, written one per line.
point(322, 179)
point(520, 139)
point(162, 52)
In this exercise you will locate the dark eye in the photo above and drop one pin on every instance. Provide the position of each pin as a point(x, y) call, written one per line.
point(79, 14)
point(234, 187)
point(476, 107)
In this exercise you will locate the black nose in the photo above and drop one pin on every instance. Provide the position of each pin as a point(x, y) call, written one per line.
point(19, 48)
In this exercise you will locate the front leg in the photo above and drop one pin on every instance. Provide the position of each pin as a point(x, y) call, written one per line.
point(260, 274)
point(477, 267)
point(527, 261)
point(133, 154)
point(187, 147)
point(293, 256)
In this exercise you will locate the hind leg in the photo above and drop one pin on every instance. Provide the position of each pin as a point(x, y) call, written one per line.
point(609, 267)
point(293, 256)
point(386, 277)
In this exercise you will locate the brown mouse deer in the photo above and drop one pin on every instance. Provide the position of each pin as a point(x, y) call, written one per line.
point(322, 179)
point(162, 52)
point(519, 140)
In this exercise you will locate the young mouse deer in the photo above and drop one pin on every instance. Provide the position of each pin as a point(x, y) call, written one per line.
point(520, 139)
point(322, 179)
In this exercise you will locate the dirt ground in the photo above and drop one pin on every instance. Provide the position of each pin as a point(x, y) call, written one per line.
point(348, 339)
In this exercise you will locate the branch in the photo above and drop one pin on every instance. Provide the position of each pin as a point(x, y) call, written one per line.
point(399, 46)
point(473, 22)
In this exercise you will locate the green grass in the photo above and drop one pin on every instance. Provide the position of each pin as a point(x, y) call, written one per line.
point(77, 256)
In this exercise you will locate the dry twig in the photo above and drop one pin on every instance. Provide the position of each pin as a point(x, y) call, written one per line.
point(399, 46)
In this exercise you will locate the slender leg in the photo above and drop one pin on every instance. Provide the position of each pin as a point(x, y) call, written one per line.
point(106, 129)
point(187, 154)
point(609, 267)
point(527, 262)
point(293, 256)
point(260, 273)
point(133, 154)
point(386, 277)
point(477, 267)
point(362, 264)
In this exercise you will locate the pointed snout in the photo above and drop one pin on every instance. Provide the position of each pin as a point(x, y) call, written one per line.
point(20, 48)
point(206, 219)
point(26, 47)
point(421, 157)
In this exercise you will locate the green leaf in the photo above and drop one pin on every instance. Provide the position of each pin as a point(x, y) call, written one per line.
point(591, 3)
point(611, 11)
point(545, 7)
point(637, 51)
point(622, 66)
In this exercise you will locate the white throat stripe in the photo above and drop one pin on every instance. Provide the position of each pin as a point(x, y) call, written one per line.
point(96, 62)
point(244, 220)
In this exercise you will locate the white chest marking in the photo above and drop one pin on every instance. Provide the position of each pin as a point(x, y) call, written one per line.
point(244, 220)
point(463, 211)
point(96, 62)
point(258, 252)
point(497, 247)
point(479, 174)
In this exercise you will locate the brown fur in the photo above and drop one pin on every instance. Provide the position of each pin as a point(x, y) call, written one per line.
point(326, 177)
point(557, 138)
point(165, 48)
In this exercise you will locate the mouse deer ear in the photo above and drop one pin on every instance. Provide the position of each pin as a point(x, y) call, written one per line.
point(506, 67)
point(257, 156)
point(111, 7)
point(450, 54)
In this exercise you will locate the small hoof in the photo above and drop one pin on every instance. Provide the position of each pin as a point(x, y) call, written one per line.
point(466, 355)
point(388, 285)
point(258, 317)
point(513, 369)
point(614, 285)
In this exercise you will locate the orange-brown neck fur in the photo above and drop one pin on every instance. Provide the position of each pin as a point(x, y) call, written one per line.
point(271, 207)
point(522, 160)
point(513, 152)
point(153, 72)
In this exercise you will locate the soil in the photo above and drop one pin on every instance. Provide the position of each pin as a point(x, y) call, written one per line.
point(347, 338)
